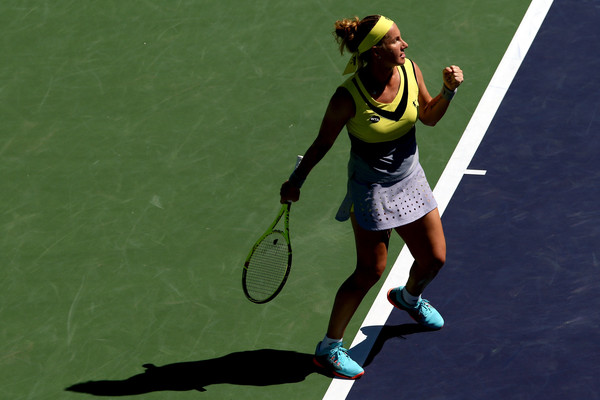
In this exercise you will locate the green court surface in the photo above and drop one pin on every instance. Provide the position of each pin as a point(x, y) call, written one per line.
point(142, 147)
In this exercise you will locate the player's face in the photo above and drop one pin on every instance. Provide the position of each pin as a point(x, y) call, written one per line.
point(393, 46)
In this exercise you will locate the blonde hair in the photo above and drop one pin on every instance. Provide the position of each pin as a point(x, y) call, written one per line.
point(350, 32)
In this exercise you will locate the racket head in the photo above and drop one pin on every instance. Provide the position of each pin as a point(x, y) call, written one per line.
point(267, 267)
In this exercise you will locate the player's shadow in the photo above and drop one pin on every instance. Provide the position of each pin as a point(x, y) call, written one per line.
point(253, 368)
point(383, 334)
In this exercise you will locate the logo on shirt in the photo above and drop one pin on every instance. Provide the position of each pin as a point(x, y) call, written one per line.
point(374, 119)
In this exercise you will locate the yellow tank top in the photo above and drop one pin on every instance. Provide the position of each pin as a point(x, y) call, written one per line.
point(376, 122)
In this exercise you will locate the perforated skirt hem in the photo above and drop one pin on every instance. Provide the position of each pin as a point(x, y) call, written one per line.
point(384, 206)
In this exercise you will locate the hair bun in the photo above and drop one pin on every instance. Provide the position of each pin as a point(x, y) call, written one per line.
point(349, 32)
point(345, 31)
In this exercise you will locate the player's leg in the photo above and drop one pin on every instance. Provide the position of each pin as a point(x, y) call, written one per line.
point(427, 244)
point(426, 241)
point(371, 252)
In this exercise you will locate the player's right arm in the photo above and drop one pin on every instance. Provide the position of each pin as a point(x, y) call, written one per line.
point(340, 109)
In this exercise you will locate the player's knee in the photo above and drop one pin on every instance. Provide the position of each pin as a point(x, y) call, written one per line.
point(437, 261)
point(433, 262)
point(366, 277)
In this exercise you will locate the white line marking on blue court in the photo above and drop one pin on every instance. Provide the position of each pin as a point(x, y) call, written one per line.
point(475, 172)
point(455, 169)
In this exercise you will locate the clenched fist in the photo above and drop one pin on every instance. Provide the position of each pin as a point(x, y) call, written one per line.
point(453, 77)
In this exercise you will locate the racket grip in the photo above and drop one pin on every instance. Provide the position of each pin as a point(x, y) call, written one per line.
point(294, 179)
point(298, 160)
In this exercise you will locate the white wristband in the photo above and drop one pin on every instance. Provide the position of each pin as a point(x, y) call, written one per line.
point(447, 93)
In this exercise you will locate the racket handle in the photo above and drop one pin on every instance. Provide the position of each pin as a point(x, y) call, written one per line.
point(293, 179)
point(298, 160)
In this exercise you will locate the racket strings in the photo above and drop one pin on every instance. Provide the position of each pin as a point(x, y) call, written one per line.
point(267, 268)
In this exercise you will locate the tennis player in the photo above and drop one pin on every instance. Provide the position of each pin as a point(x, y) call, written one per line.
point(380, 104)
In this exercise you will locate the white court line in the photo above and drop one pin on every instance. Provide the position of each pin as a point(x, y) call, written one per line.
point(475, 172)
point(450, 178)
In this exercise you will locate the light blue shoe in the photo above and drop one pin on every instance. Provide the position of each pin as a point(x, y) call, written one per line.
point(336, 360)
point(423, 312)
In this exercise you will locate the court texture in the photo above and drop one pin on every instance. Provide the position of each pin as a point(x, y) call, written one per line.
point(142, 147)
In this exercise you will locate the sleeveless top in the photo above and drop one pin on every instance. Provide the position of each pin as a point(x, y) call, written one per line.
point(382, 135)
point(376, 122)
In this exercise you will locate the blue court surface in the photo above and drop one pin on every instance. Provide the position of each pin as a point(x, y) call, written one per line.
point(519, 292)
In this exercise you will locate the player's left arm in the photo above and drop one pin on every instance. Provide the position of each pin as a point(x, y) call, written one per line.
point(432, 109)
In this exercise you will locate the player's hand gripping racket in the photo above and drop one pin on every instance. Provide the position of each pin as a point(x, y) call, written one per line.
point(268, 265)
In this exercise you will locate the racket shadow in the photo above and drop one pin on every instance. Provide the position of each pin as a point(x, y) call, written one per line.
point(252, 368)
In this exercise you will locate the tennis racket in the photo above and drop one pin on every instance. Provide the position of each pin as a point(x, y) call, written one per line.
point(268, 265)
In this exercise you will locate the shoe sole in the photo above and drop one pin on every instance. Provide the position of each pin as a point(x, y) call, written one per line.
point(318, 364)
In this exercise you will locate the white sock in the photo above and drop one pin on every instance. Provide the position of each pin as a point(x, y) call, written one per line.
point(409, 298)
point(327, 342)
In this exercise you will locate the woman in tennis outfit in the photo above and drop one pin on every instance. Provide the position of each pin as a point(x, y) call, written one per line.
point(387, 189)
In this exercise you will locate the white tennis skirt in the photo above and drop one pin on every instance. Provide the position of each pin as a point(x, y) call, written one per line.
point(380, 206)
